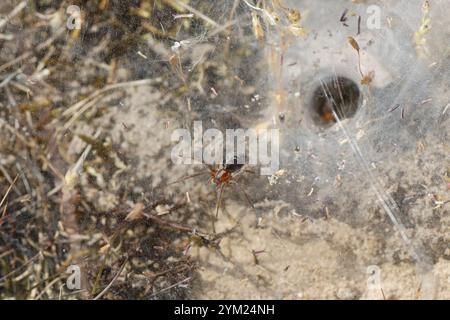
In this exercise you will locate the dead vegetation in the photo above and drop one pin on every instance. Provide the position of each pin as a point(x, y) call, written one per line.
point(53, 83)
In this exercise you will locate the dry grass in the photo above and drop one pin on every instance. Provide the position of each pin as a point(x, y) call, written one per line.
point(53, 80)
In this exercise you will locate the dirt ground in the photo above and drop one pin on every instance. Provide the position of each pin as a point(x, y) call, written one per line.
point(285, 254)
point(359, 208)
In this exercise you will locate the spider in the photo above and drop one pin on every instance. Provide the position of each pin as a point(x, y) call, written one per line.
point(222, 176)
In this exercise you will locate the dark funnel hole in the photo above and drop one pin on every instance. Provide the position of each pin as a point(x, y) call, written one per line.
point(338, 93)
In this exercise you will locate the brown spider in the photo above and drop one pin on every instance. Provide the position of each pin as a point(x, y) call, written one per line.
point(222, 176)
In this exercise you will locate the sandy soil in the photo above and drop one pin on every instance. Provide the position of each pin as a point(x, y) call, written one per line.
point(285, 254)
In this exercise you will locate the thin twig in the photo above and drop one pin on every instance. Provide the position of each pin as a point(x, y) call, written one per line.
point(169, 224)
point(394, 107)
point(170, 287)
point(112, 281)
point(194, 11)
point(17, 133)
point(73, 109)
point(445, 109)
point(20, 267)
point(30, 53)
point(10, 180)
point(13, 13)
point(9, 189)
point(46, 288)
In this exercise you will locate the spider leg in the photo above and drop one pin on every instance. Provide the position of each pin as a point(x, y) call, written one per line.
point(210, 179)
point(188, 177)
point(241, 171)
point(247, 197)
point(219, 199)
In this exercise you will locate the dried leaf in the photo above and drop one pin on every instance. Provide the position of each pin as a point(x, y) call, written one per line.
point(353, 43)
point(257, 28)
point(162, 209)
point(174, 60)
point(367, 79)
point(104, 249)
point(273, 17)
point(103, 4)
point(75, 34)
point(298, 30)
point(136, 213)
point(425, 27)
point(294, 16)
point(71, 177)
